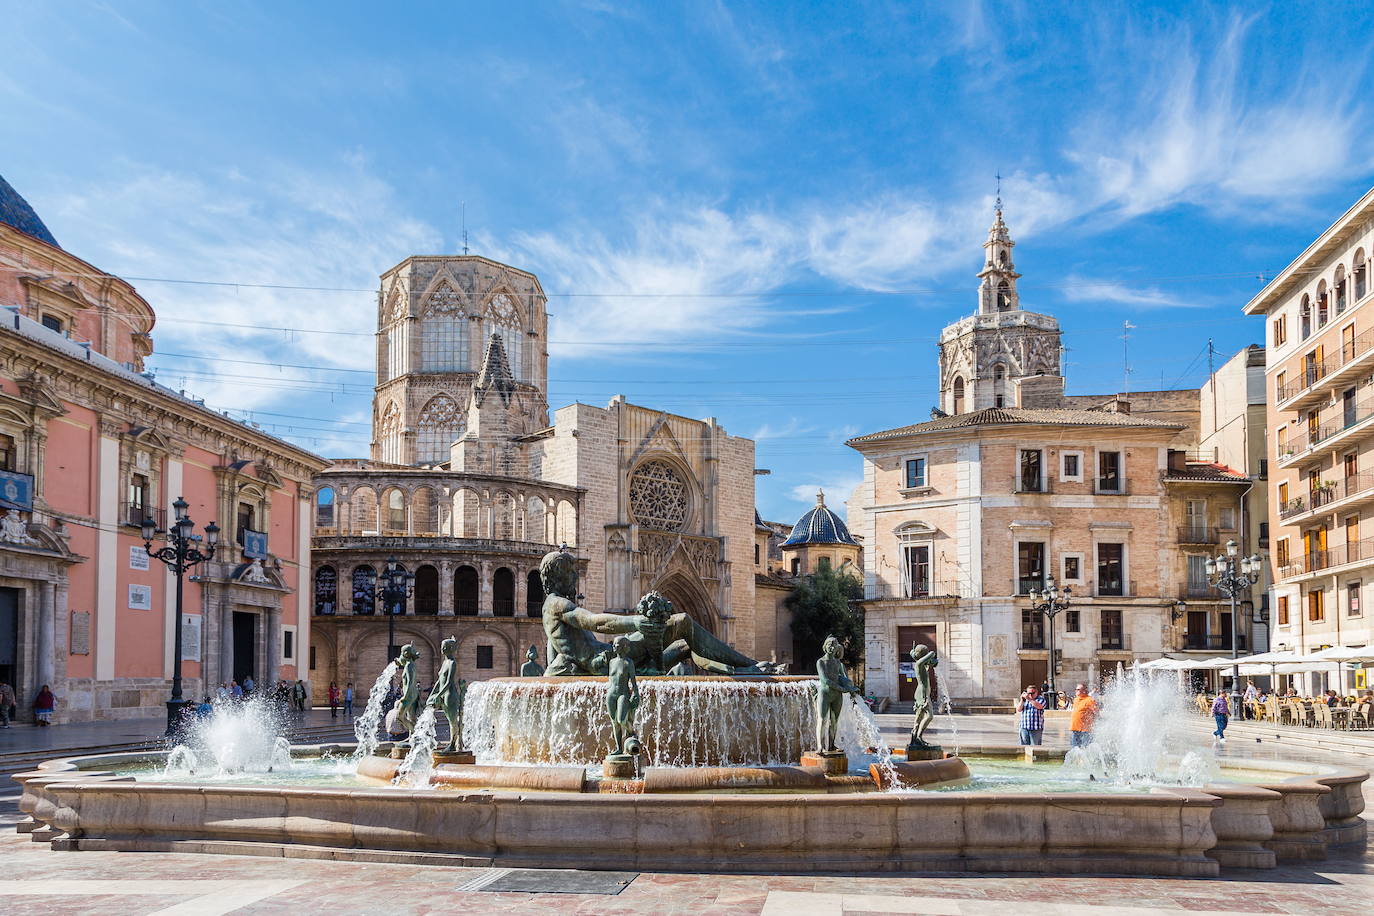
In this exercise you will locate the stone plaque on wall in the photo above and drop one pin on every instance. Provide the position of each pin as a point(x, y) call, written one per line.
point(81, 633)
point(138, 557)
point(190, 637)
point(140, 597)
point(999, 650)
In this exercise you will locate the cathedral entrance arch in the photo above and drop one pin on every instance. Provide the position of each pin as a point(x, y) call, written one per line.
point(689, 597)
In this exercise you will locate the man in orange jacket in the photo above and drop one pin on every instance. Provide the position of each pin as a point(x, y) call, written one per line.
point(1081, 721)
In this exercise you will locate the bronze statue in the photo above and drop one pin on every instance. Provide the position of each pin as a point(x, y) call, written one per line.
point(834, 684)
point(531, 667)
point(447, 696)
point(407, 705)
point(924, 661)
point(622, 699)
point(659, 639)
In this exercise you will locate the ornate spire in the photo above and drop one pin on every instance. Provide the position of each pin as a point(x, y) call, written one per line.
point(997, 292)
point(495, 374)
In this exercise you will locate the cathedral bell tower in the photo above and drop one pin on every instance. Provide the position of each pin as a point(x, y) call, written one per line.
point(1002, 355)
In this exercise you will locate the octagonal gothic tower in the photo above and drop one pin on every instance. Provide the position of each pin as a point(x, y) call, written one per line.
point(436, 320)
point(1002, 355)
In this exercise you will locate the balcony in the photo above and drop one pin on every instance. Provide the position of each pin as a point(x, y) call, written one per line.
point(1115, 642)
point(1327, 435)
point(1203, 590)
point(1032, 637)
point(132, 515)
point(1211, 642)
point(1341, 494)
point(1317, 378)
point(1199, 534)
point(1318, 560)
point(1024, 586)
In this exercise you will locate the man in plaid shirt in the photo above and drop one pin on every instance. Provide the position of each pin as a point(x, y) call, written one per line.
point(1031, 707)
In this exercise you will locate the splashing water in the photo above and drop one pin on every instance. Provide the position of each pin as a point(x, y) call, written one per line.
point(944, 705)
point(415, 770)
point(238, 737)
point(858, 731)
point(365, 726)
point(1142, 736)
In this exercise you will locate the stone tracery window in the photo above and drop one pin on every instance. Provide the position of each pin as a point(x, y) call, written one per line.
point(503, 317)
point(658, 496)
point(444, 331)
point(440, 423)
point(390, 430)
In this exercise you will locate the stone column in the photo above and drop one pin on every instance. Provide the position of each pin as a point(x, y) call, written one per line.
point(226, 639)
point(44, 643)
point(521, 591)
point(484, 597)
point(446, 588)
point(271, 644)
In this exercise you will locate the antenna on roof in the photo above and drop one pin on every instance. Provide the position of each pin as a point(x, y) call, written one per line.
point(465, 227)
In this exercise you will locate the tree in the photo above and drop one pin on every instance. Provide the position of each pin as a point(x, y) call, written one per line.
point(821, 606)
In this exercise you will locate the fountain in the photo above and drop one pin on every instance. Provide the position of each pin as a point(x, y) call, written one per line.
point(706, 773)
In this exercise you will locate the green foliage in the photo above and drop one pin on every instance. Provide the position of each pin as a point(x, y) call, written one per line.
point(820, 606)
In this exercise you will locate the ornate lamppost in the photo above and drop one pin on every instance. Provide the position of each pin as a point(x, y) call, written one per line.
point(395, 587)
point(182, 552)
point(1231, 574)
point(1050, 602)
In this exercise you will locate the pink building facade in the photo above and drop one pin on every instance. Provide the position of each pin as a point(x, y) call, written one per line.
point(89, 446)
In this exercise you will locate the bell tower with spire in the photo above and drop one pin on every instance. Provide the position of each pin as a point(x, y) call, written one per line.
point(1002, 355)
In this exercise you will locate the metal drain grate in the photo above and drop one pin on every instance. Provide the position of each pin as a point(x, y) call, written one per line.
point(551, 881)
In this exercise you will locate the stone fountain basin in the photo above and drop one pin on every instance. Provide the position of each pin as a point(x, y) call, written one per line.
point(83, 803)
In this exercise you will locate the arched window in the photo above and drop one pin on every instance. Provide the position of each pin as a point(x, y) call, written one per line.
point(444, 343)
point(958, 404)
point(364, 595)
point(396, 350)
point(503, 317)
point(326, 591)
point(1004, 296)
point(1323, 309)
point(1339, 286)
point(1361, 274)
point(1002, 258)
point(466, 586)
point(1305, 317)
point(395, 511)
point(427, 590)
point(394, 604)
point(324, 508)
point(503, 593)
point(441, 421)
point(534, 595)
point(363, 511)
point(389, 430)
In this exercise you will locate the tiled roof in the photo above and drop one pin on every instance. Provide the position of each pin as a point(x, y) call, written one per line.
point(1004, 416)
point(1207, 472)
point(15, 211)
point(820, 526)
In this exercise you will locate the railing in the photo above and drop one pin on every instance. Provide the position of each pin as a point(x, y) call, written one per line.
point(1024, 586)
point(1211, 642)
point(1344, 488)
point(1199, 534)
point(1032, 639)
point(465, 607)
point(503, 607)
point(386, 544)
point(1200, 590)
point(1117, 642)
point(1312, 373)
point(1310, 440)
point(1315, 560)
point(133, 515)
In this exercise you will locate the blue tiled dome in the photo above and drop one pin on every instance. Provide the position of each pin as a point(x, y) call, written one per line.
point(820, 526)
point(15, 211)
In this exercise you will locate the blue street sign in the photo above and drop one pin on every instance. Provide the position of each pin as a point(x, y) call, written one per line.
point(16, 491)
point(254, 544)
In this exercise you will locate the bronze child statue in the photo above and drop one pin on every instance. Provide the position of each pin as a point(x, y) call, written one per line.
point(924, 661)
point(622, 699)
point(834, 684)
point(447, 696)
point(407, 706)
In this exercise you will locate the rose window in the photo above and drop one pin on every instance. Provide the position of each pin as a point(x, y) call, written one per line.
point(658, 496)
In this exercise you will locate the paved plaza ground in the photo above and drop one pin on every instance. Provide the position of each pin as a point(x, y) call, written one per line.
point(39, 880)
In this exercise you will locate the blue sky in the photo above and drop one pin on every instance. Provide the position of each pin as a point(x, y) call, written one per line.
point(759, 212)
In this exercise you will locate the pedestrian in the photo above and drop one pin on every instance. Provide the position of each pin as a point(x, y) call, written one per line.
point(333, 700)
point(223, 692)
point(348, 701)
point(1081, 720)
point(205, 710)
point(235, 690)
point(1251, 695)
point(6, 701)
point(248, 685)
point(1221, 712)
point(1031, 705)
point(1331, 699)
point(43, 706)
point(298, 692)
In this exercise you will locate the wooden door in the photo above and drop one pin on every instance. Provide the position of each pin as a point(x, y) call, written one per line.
point(906, 638)
point(1033, 671)
point(1348, 343)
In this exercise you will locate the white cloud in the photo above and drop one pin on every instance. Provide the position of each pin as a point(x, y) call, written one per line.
point(1087, 289)
point(837, 489)
point(792, 428)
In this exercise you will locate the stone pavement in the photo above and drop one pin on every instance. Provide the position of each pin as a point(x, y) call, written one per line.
point(36, 879)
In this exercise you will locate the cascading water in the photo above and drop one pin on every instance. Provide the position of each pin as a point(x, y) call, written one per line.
point(682, 722)
point(1142, 736)
point(858, 731)
point(945, 705)
point(238, 737)
point(415, 770)
point(365, 726)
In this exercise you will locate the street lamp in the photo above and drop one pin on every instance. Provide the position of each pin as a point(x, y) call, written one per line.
point(396, 586)
point(1050, 602)
point(1231, 574)
point(181, 553)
